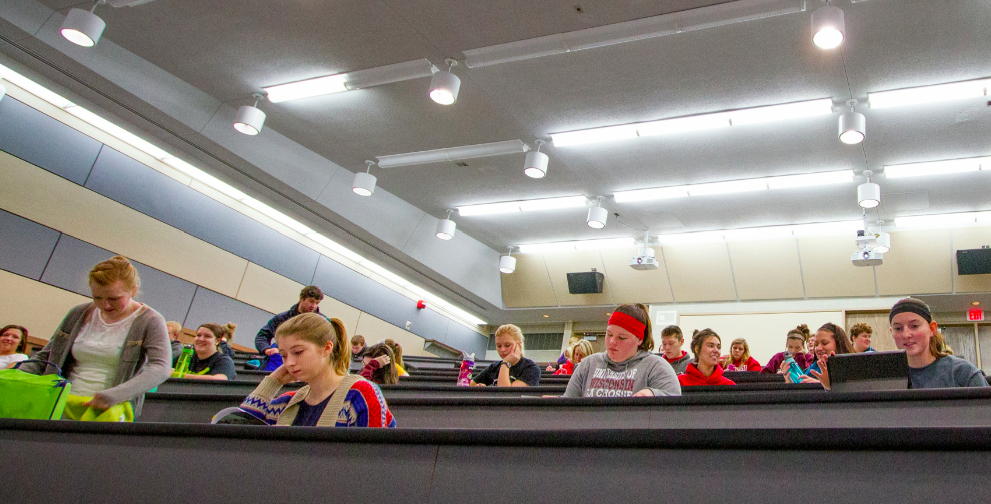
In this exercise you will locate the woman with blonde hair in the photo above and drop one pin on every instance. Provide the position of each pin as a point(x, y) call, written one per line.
point(228, 335)
point(739, 358)
point(577, 354)
point(397, 352)
point(513, 370)
point(315, 351)
point(112, 350)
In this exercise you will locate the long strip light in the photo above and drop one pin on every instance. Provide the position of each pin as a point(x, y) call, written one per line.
point(607, 243)
point(929, 94)
point(523, 206)
point(741, 117)
point(359, 79)
point(448, 154)
point(838, 228)
point(943, 220)
point(228, 195)
point(735, 186)
point(632, 31)
point(944, 167)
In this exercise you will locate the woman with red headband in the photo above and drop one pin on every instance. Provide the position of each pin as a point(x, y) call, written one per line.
point(627, 368)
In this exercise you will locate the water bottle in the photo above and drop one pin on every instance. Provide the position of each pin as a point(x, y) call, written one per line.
point(794, 371)
point(182, 365)
point(467, 366)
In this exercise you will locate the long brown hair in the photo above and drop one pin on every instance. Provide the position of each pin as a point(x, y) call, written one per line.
point(397, 351)
point(642, 314)
point(801, 332)
point(726, 361)
point(843, 345)
point(387, 374)
point(316, 329)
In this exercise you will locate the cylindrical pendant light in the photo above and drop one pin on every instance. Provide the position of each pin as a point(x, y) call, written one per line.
point(536, 162)
point(869, 193)
point(250, 119)
point(883, 243)
point(507, 263)
point(446, 227)
point(828, 27)
point(597, 215)
point(364, 183)
point(853, 125)
point(444, 85)
point(82, 27)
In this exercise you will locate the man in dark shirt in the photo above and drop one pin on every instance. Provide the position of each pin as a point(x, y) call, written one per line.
point(309, 301)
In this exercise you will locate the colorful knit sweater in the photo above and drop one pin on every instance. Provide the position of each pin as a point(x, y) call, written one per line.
point(364, 406)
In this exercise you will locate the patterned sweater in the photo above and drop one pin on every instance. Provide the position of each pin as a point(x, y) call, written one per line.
point(364, 406)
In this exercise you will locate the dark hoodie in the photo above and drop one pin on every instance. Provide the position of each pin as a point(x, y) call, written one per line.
point(680, 363)
point(599, 376)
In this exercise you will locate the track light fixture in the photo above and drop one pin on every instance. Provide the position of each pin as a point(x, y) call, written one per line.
point(507, 263)
point(444, 85)
point(83, 27)
point(883, 240)
point(364, 183)
point(536, 162)
point(250, 119)
point(853, 125)
point(445, 227)
point(828, 27)
point(597, 215)
point(869, 193)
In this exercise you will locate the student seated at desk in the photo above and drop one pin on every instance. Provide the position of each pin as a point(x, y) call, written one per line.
point(671, 342)
point(208, 363)
point(397, 354)
point(514, 370)
point(739, 358)
point(627, 368)
point(706, 370)
point(860, 338)
point(578, 353)
point(379, 367)
point(795, 343)
point(831, 339)
point(224, 345)
point(931, 362)
point(316, 352)
point(13, 340)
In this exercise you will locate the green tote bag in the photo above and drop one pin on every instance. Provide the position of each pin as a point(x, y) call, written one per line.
point(36, 397)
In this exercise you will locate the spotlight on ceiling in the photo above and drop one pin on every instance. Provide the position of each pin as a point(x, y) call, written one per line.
point(828, 28)
point(507, 263)
point(82, 27)
point(597, 215)
point(869, 193)
point(250, 119)
point(445, 227)
point(536, 162)
point(853, 125)
point(364, 183)
point(883, 244)
point(444, 85)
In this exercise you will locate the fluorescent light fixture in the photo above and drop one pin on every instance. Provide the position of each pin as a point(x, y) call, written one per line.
point(937, 167)
point(714, 120)
point(983, 216)
point(936, 221)
point(335, 247)
point(632, 31)
point(810, 179)
point(523, 206)
point(762, 233)
point(733, 186)
point(277, 216)
point(358, 79)
point(117, 131)
point(929, 94)
point(607, 243)
point(691, 238)
point(828, 228)
point(783, 112)
point(33, 88)
point(384, 273)
point(651, 194)
point(839, 228)
point(595, 135)
point(453, 154)
point(205, 178)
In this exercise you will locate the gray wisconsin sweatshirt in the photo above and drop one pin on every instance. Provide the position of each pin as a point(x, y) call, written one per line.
point(599, 376)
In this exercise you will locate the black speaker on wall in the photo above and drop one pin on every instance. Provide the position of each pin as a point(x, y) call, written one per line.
point(586, 282)
point(974, 261)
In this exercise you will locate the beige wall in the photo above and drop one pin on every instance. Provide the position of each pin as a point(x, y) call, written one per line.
point(34, 305)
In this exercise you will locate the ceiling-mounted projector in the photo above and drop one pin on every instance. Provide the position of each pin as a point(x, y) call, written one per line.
point(867, 257)
point(872, 248)
point(644, 260)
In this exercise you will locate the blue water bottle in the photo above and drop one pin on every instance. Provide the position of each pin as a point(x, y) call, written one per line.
point(794, 371)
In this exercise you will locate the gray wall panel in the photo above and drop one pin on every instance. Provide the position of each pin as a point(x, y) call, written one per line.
point(466, 340)
point(125, 180)
point(25, 246)
point(209, 306)
point(45, 142)
point(73, 258)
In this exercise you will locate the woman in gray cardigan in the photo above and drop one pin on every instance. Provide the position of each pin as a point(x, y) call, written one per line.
point(114, 349)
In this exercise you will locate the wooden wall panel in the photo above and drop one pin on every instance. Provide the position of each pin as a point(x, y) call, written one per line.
point(828, 271)
point(700, 272)
point(632, 286)
point(919, 263)
point(766, 269)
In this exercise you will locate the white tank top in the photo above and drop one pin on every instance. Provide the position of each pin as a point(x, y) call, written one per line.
point(97, 352)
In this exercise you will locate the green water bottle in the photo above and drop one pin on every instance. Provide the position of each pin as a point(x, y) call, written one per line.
point(182, 365)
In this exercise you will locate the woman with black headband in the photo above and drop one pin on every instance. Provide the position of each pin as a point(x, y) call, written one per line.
point(930, 361)
point(627, 367)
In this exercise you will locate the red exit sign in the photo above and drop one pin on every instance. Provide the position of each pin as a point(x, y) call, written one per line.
point(975, 315)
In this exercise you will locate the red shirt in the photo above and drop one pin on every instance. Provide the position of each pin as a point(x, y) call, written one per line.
point(672, 361)
point(751, 365)
point(693, 376)
point(566, 368)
